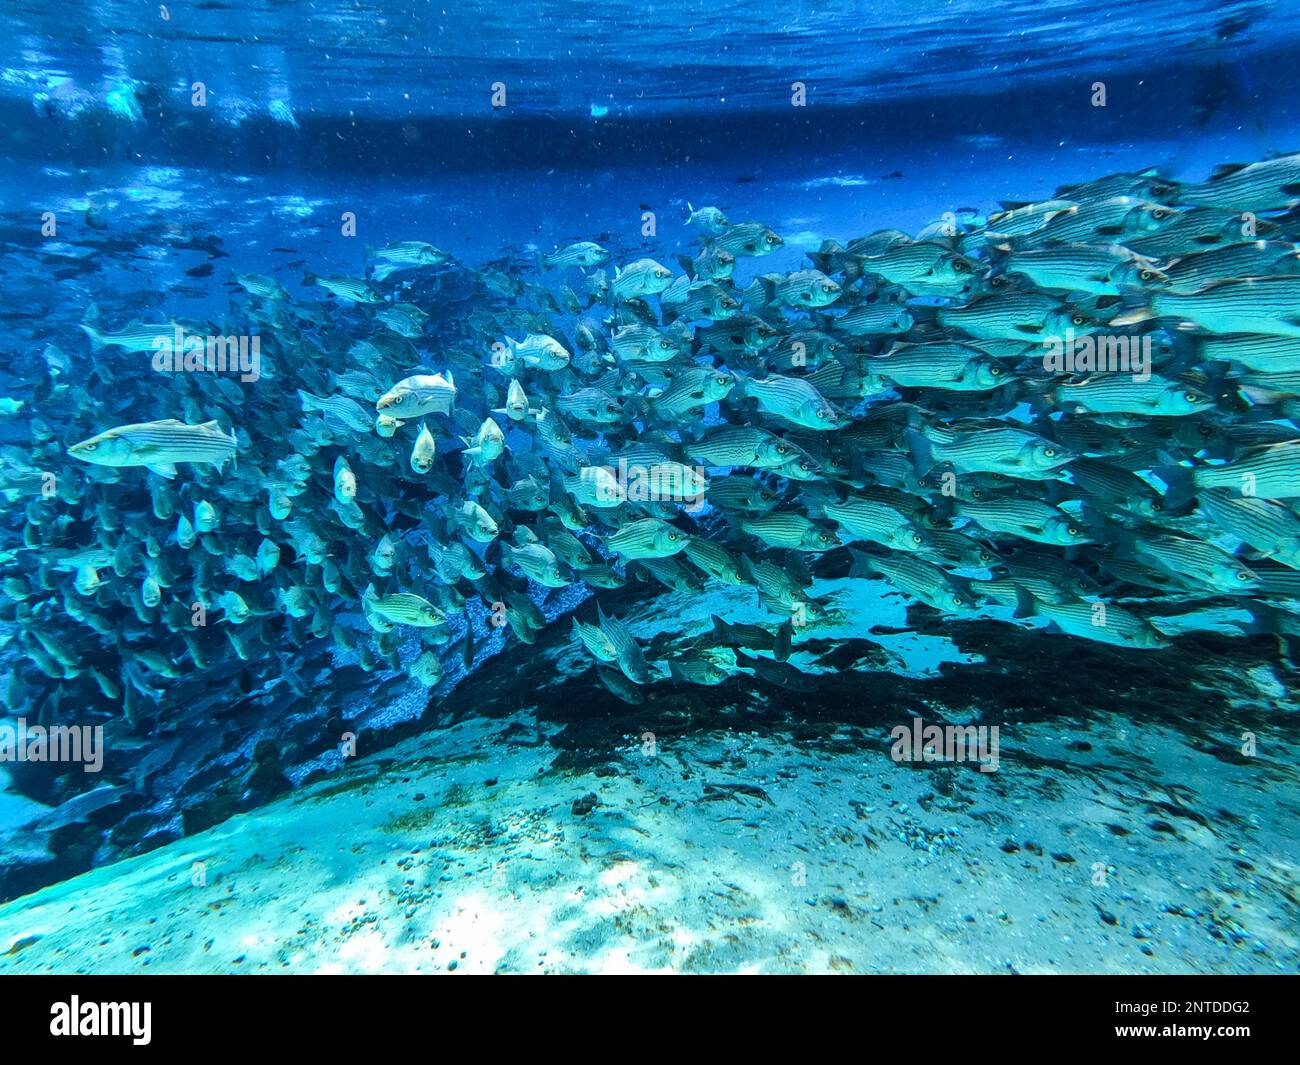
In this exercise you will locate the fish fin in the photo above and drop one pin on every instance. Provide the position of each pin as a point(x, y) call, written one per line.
point(96, 340)
point(1223, 170)
point(862, 566)
point(1180, 484)
point(784, 638)
point(1026, 604)
point(922, 450)
point(162, 469)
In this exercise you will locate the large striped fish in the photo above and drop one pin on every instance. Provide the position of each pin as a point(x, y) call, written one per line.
point(158, 445)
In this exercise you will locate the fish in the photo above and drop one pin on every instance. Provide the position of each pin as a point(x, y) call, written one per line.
point(710, 221)
point(584, 253)
point(422, 451)
point(418, 396)
point(402, 608)
point(158, 445)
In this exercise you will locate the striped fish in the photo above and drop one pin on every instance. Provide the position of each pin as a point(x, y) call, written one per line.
point(1267, 354)
point(1000, 449)
point(1273, 184)
point(917, 578)
point(713, 559)
point(1103, 270)
point(158, 445)
point(1120, 393)
point(743, 446)
point(1268, 472)
point(1115, 219)
point(1029, 519)
point(950, 366)
point(136, 337)
point(795, 400)
point(594, 639)
point(690, 389)
point(1255, 258)
point(340, 413)
point(1268, 305)
point(790, 530)
point(868, 519)
point(1200, 227)
point(1102, 622)
point(402, 608)
point(1270, 528)
point(1194, 564)
point(920, 261)
point(1115, 486)
point(647, 538)
point(627, 652)
point(1016, 316)
point(880, 318)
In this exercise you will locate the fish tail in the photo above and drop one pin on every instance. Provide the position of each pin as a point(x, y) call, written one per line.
point(922, 451)
point(97, 341)
point(1180, 482)
point(862, 565)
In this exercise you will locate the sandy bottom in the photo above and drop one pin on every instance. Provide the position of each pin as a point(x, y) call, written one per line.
point(1111, 847)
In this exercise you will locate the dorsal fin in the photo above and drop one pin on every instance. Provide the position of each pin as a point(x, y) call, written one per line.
point(1225, 169)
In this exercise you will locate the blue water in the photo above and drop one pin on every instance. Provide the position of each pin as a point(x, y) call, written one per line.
point(614, 113)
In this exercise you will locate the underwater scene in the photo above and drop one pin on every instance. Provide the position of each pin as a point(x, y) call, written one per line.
point(783, 488)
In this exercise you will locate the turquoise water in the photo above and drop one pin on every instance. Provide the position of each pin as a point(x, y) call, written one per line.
point(558, 807)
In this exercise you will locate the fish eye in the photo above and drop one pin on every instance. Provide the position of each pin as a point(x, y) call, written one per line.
point(1242, 575)
point(664, 344)
point(91, 446)
point(720, 380)
point(957, 600)
point(985, 557)
point(771, 238)
point(781, 449)
point(1159, 213)
point(672, 536)
point(828, 287)
point(1191, 397)
point(821, 413)
point(1146, 275)
point(916, 538)
point(1072, 531)
point(1050, 452)
point(996, 371)
point(1078, 319)
point(960, 267)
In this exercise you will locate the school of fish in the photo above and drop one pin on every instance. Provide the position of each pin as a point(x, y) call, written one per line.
point(1080, 411)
